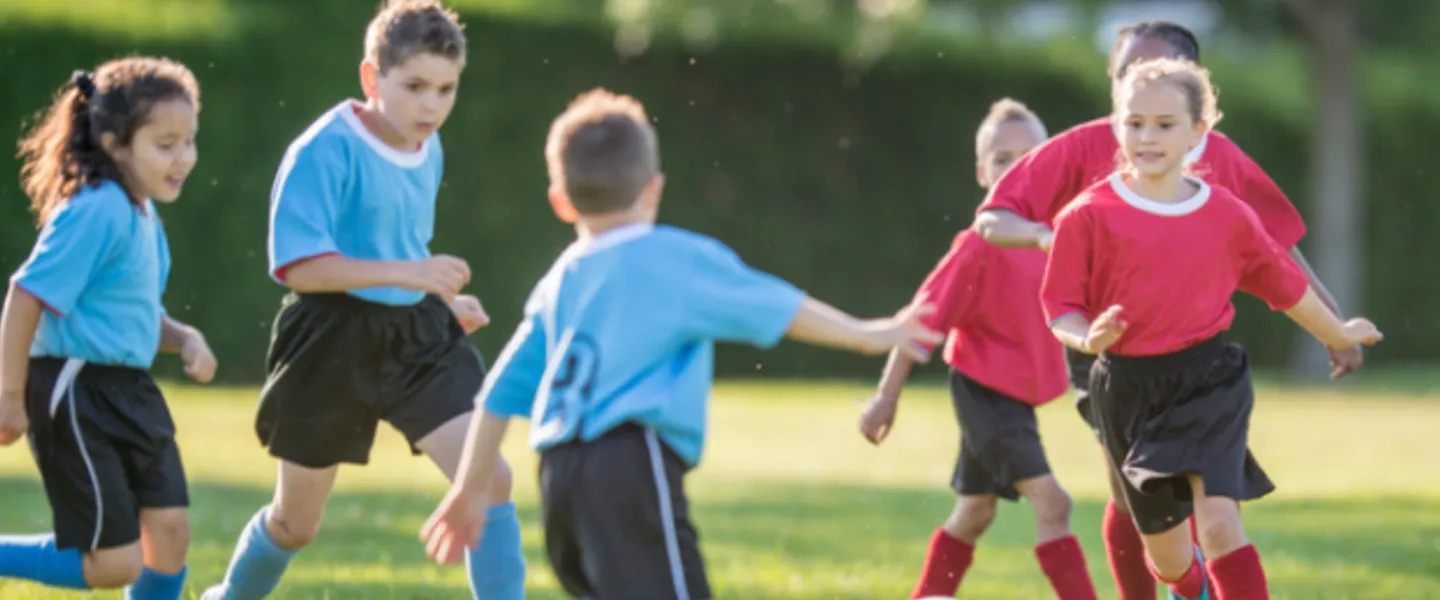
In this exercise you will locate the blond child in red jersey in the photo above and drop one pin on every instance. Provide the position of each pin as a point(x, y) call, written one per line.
point(1141, 273)
point(1003, 363)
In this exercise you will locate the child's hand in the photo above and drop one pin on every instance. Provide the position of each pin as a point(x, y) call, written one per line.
point(908, 333)
point(13, 420)
point(442, 275)
point(1105, 330)
point(1362, 331)
point(199, 361)
point(468, 310)
point(878, 418)
point(454, 526)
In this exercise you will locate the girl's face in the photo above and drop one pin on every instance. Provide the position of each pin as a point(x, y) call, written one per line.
point(1156, 130)
point(1012, 139)
point(161, 153)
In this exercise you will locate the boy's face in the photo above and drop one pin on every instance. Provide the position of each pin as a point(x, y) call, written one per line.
point(416, 95)
point(1012, 140)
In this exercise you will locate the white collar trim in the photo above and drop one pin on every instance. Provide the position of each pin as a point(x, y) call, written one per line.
point(1168, 209)
point(399, 158)
point(608, 239)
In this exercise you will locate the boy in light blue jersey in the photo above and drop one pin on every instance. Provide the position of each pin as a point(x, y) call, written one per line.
point(82, 324)
point(375, 328)
point(614, 361)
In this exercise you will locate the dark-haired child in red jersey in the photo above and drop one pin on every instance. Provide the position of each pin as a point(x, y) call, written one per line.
point(1022, 205)
point(1141, 273)
point(1003, 363)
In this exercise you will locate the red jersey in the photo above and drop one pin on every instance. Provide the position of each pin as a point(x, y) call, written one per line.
point(988, 299)
point(1047, 178)
point(1173, 266)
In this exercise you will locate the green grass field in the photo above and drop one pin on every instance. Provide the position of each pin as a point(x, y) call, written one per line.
point(793, 505)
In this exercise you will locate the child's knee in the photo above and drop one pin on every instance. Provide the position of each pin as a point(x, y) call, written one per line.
point(290, 533)
point(167, 527)
point(1219, 526)
point(971, 517)
point(113, 568)
point(1052, 506)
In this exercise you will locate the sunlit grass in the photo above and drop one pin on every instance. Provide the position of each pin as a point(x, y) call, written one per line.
point(792, 504)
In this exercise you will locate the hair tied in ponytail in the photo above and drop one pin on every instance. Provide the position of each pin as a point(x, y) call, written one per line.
point(85, 82)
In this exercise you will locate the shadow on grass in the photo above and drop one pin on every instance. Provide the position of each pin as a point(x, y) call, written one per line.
point(802, 542)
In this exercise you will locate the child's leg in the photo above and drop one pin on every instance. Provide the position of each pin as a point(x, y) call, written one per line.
point(952, 547)
point(276, 533)
point(1058, 550)
point(1124, 548)
point(1235, 568)
point(1174, 557)
point(497, 567)
point(164, 539)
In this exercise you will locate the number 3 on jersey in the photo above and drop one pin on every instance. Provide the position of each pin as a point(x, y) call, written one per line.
point(572, 380)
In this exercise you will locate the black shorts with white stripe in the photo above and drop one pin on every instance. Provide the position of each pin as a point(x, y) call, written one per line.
point(104, 443)
point(617, 524)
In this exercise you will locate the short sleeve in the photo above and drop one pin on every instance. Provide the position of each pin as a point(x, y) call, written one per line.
point(303, 204)
point(1266, 269)
point(727, 300)
point(1043, 181)
point(514, 382)
point(1065, 288)
point(1275, 210)
point(953, 285)
point(73, 242)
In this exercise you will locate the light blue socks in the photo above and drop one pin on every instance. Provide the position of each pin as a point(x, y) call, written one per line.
point(256, 567)
point(156, 586)
point(35, 557)
point(497, 567)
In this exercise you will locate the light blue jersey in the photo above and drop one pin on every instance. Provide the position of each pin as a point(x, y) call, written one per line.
point(622, 329)
point(340, 190)
point(100, 266)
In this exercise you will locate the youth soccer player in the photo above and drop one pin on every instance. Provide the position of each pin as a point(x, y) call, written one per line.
point(1142, 272)
point(1021, 207)
point(1003, 363)
point(374, 329)
point(613, 364)
point(82, 323)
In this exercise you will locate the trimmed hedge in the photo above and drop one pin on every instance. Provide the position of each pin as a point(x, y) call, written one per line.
point(849, 184)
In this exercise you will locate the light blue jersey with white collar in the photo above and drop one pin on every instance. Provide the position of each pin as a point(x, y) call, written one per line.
point(100, 267)
point(340, 190)
point(622, 330)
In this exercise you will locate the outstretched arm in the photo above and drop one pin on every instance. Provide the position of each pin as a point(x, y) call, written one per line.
point(820, 324)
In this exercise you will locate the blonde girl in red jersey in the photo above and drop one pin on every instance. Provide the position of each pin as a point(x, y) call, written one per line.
point(1141, 273)
point(1003, 363)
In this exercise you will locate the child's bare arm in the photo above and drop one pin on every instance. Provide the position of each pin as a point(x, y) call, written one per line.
point(440, 275)
point(896, 373)
point(823, 325)
point(1072, 330)
point(1009, 230)
point(1312, 315)
point(482, 451)
point(17, 331)
point(174, 335)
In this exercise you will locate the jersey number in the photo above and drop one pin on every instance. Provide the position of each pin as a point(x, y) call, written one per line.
point(574, 381)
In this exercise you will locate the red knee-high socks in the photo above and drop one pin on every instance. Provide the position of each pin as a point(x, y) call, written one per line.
point(1126, 552)
point(1239, 576)
point(1063, 562)
point(945, 566)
